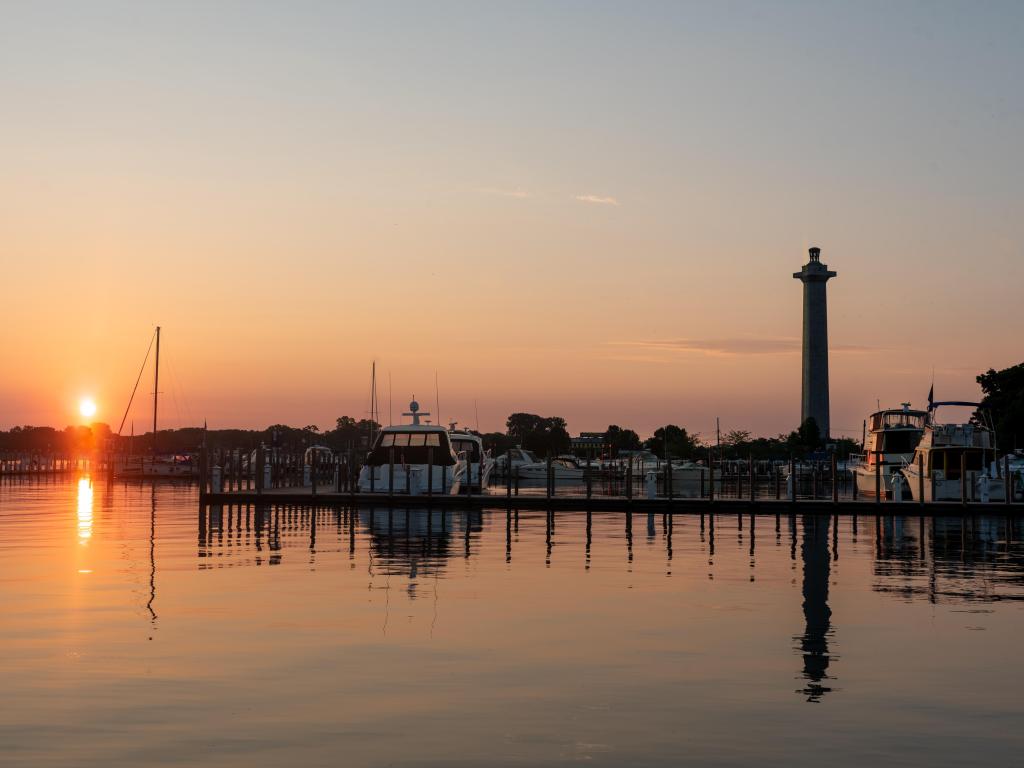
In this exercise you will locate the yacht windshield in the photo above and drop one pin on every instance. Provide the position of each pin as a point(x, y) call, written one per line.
point(411, 448)
point(894, 419)
point(900, 441)
point(471, 447)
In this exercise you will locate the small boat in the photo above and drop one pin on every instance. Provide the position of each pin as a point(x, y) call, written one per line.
point(519, 457)
point(892, 436)
point(158, 467)
point(478, 462)
point(957, 459)
point(689, 480)
point(154, 466)
point(412, 459)
point(562, 467)
point(323, 454)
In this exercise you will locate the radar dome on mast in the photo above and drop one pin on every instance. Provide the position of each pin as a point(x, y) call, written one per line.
point(414, 412)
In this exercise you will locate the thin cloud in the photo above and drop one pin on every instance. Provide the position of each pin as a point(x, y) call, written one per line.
point(636, 359)
point(519, 194)
point(597, 200)
point(735, 346)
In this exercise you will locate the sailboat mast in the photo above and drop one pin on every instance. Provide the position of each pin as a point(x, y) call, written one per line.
point(373, 399)
point(156, 386)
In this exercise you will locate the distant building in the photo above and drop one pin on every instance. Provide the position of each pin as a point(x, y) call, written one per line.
point(591, 443)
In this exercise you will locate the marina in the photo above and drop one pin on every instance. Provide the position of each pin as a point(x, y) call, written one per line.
point(458, 385)
point(234, 478)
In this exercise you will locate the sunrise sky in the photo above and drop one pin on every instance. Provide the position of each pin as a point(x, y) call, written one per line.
point(591, 210)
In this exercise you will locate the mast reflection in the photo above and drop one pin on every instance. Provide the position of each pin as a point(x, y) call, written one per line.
point(152, 556)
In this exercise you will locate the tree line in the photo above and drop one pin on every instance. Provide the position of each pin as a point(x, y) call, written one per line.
point(1003, 399)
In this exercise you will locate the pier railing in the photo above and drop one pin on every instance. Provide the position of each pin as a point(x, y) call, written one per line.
point(20, 464)
point(271, 472)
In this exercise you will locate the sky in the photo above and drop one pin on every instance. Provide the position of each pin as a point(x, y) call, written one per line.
point(583, 209)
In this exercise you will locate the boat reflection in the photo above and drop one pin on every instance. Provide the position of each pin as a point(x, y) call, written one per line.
point(950, 559)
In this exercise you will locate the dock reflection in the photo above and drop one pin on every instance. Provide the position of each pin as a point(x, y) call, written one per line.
point(941, 559)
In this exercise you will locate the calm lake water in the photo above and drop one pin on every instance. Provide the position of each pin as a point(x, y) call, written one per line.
point(134, 633)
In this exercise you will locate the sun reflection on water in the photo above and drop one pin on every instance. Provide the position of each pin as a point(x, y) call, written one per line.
point(84, 510)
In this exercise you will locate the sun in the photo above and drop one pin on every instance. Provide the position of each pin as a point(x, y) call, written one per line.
point(87, 407)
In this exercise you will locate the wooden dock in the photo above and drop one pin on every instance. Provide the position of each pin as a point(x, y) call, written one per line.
point(278, 478)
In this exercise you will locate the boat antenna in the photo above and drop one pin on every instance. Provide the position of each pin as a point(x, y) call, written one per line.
point(437, 399)
point(136, 387)
point(391, 421)
point(156, 386)
point(477, 409)
point(376, 397)
point(373, 392)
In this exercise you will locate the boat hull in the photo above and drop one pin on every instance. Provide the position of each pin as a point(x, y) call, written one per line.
point(951, 490)
point(864, 477)
point(158, 470)
point(412, 479)
point(478, 477)
point(560, 473)
point(689, 482)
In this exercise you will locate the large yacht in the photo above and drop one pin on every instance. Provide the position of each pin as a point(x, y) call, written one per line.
point(891, 437)
point(945, 451)
point(412, 458)
point(470, 448)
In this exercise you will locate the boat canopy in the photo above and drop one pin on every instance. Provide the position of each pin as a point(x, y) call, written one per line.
point(412, 445)
point(897, 419)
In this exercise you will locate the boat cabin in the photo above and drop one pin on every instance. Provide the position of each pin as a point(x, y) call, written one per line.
point(948, 447)
point(471, 445)
point(412, 444)
point(893, 431)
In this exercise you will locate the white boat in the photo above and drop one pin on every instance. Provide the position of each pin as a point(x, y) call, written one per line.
point(956, 459)
point(562, 468)
point(689, 480)
point(154, 466)
point(519, 457)
point(470, 449)
point(323, 454)
point(412, 459)
point(892, 435)
point(160, 467)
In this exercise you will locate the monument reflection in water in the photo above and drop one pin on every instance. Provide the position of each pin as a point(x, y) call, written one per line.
point(817, 615)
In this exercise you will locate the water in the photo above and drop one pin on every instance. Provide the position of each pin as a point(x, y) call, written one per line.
point(134, 634)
